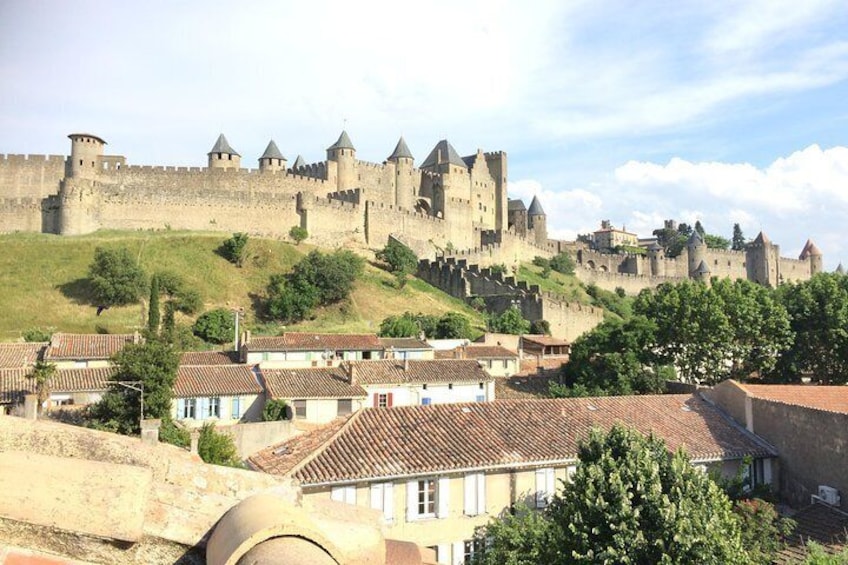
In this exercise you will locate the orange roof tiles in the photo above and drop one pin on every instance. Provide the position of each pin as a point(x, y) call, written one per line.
point(215, 380)
point(419, 371)
point(209, 358)
point(14, 355)
point(323, 382)
point(417, 440)
point(544, 340)
point(297, 341)
point(488, 352)
point(14, 383)
point(830, 398)
point(86, 346)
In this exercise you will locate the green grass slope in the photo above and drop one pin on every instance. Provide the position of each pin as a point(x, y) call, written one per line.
point(43, 282)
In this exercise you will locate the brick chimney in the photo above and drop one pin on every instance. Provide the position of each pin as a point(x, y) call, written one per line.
point(350, 369)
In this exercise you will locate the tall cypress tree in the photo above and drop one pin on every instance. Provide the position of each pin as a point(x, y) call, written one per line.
point(738, 238)
point(153, 309)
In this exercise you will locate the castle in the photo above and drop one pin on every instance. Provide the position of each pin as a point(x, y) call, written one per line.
point(448, 206)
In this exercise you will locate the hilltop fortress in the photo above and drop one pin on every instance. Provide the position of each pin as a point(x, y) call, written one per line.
point(448, 207)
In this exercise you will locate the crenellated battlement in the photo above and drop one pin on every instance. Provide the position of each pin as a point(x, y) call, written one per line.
point(35, 159)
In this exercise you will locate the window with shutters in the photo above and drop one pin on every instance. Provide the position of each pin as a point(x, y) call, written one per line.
point(235, 412)
point(382, 499)
point(299, 408)
point(383, 400)
point(187, 408)
point(544, 487)
point(427, 497)
point(346, 494)
point(214, 410)
point(475, 494)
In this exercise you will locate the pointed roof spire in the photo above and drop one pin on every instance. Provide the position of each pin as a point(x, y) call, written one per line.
point(761, 239)
point(702, 269)
point(272, 152)
point(298, 163)
point(401, 150)
point(443, 153)
point(696, 239)
point(840, 270)
point(655, 247)
point(812, 249)
point(223, 146)
point(535, 208)
point(343, 142)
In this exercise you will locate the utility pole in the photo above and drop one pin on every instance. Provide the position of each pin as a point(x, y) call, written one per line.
point(137, 386)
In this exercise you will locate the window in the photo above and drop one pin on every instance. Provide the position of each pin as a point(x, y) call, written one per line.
point(214, 410)
point(450, 386)
point(480, 386)
point(383, 499)
point(480, 398)
point(346, 494)
point(186, 408)
point(544, 486)
point(427, 498)
point(344, 407)
point(235, 412)
point(426, 401)
point(475, 494)
point(383, 400)
point(300, 409)
point(469, 549)
point(504, 363)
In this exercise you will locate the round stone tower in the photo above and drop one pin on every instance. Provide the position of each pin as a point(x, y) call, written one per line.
point(537, 221)
point(222, 156)
point(697, 251)
point(272, 160)
point(656, 254)
point(86, 151)
point(813, 254)
point(404, 189)
point(343, 154)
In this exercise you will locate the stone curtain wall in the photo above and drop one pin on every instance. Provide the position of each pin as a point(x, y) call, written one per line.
point(26, 183)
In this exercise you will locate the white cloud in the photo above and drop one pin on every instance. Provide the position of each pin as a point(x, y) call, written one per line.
point(569, 212)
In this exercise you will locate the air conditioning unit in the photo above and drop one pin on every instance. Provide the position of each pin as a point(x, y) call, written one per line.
point(829, 495)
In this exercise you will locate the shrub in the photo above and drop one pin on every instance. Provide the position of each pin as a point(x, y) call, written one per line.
point(234, 249)
point(498, 269)
point(36, 335)
point(116, 279)
point(298, 234)
point(562, 263)
point(542, 327)
point(217, 448)
point(453, 326)
point(215, 326)
point(510, 322)
point(275, 409)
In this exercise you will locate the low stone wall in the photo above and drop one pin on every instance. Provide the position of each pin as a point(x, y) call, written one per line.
point(251, 437)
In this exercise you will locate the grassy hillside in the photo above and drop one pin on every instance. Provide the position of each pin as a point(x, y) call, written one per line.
point(44, 284)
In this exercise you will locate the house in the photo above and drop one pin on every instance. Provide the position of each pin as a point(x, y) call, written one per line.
point(225, 394)
point(394, 382)
point(609, 237)
point(76, 387)
point(808, 425)
point(68, 351)
point(16, 355)
point(315, 395)
point(496, 360)
point(438, 472)
point(545, 347)
point(406, 348)
point(297, 350)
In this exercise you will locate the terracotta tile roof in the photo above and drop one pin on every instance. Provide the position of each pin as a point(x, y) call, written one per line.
point(830, 398)
point(419, 371)
point(488, 352)
point(530, 365)
point(277, 460)
point(322, 382)
point(819, 523)
point(404, 343)
point(516, 387)
point(415, 440)
point(444, 354)
point(86, 346)
point(296, 341)
point(209, 358)
point(214, 380)
point(544, 340)
point(14, 383)
point(14, 355)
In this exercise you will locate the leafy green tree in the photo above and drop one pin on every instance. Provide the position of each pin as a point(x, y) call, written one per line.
point(739, 241)
point(700, 228)
point(510, 321)
point(215, 326)
point(116, 279)
point(716, 241)
point(519, 537)
point(817, 555)
point(41, 374)
point(36, 335)
point(153, 314)
point(540, 327)
point(629, 501)
point(499, 269)
point(399, 257)
point(217, 448)
point(154, 364)
point(453, 325)
point(234, 249)
point(763, 529)
point(184, 298)
point(275, 409)
point(298, 234)
point(562, 263)
point(818, 313)
point(169, 322)
point(404, 325)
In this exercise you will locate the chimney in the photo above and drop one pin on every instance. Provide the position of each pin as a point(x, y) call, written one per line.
point(350, 369)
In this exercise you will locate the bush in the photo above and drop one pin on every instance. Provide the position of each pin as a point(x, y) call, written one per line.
point(234, 249)
point(116, 279)
point(399, 326)
point(215, 326)
point(183, 298)
point(36, 335)
point(453, 326)
point(540, 327)
point(217, 448)
point(398, 257)
point(510, 322)
point(298, 234)
point(541, 262)
point(498, 269)
point(275, 409)
point(563, 263)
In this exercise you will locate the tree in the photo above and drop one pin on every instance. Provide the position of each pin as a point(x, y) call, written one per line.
point(562, 263)
point(298, 234)
point(453, 325)
point(154, 364)
point(215, 326)
point(739, 241)
point(762, 529)
point(41, 374)
point(36, 335)
point(217, 448)
point(630, 501)
point(153, 314)
point(275, 409)
point(116, 279)
point(540, 327)
point(716, 241)
point(234, 249)
point(184, 298)
point(499, 269)
point(699, 228)
point(509, 322)
point(404, 325)
point(169, 322)
point(401, 260)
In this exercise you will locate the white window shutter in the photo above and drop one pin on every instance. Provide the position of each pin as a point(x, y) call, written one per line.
point(481, 493)
point(337, 494)
point(443, 553)
point(470, 494)
point(388, 501)
point(350, 495)
point(411, 501)
point(550, 483)
point(180, 408)
point(377, 496)
point(443, 497)
point(540, 488)
point(458, 553)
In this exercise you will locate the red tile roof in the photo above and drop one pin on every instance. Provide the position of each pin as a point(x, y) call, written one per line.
point(209, 358)
point(416, 440)
point(544, 340)
point(296, 341)
point(215, 380)
point(419, 371)
point(280, 458)
point(488, 352)
point(14, 383)
point(322, 382)
point(86, 346)
point(819, 523)
point(14, 355)
point(830, 398)
point(404, 343)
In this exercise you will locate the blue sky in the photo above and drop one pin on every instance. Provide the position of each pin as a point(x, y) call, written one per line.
point(633, 112)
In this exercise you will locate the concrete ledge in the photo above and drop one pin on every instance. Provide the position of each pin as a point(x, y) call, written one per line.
point(77, 495)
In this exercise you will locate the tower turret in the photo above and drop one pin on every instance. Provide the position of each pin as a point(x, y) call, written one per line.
point(404, 187)
point(702, 273)
point(343, 154)
point(813, 254)
point(537, 221)
point(222, 156)
point(272, 160)
point(761, 256)
point(696, 249)
point(86, 153)
point(656, 254)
